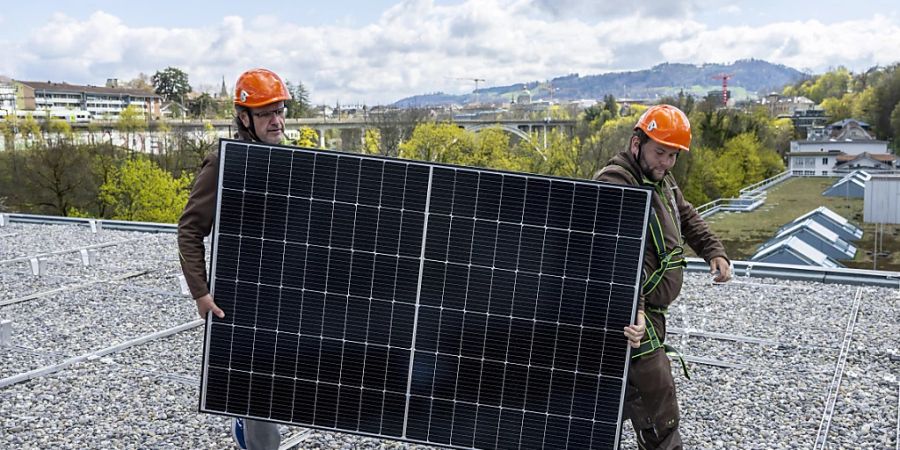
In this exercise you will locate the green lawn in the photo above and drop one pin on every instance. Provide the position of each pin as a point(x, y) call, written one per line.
point(742, 233)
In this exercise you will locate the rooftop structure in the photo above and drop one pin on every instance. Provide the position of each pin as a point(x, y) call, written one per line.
point(830, 220)
point(815, 235)
point(112, 350)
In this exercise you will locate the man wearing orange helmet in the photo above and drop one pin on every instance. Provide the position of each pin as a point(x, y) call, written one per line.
point(259, 97)
point(660, 135)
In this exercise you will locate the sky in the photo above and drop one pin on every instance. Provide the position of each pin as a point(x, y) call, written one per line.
point(379, 51)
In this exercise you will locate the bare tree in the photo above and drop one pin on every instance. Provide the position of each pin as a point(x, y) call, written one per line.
point(396, 126)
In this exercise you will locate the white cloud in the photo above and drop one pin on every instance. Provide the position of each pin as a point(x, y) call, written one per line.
point(810, 44)
point(417, 46)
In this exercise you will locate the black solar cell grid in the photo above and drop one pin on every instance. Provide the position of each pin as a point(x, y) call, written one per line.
point(439, 304)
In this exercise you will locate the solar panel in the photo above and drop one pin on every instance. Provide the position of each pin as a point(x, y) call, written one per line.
point(429, 303)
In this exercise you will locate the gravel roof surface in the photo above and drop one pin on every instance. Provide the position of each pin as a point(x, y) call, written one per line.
point(146, 396)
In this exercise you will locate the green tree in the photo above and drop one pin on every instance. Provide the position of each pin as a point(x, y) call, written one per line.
point(698, 183)
point(372, 141)
point(10, 129)
point(59, 128)
point(612, 137)
point(489, 148)
point(895, 123)
point(171, 83)
point(30, 129)
point(141, 191)
point(437, 142)
point(131, 120)
point(838, 109)
point(886, 96)
point(831, 84)
point(560, 158)
point(298, 106)
point(54, 178)
point(307, 138)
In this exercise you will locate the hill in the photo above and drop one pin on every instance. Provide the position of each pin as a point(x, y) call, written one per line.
point(751, 76)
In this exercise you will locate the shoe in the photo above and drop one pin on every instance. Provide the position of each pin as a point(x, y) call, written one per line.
point(237, 432)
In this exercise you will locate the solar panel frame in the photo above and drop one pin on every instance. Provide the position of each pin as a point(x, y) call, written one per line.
point(476, 212)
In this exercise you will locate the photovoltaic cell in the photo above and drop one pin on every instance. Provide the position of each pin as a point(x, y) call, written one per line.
point(429, 303)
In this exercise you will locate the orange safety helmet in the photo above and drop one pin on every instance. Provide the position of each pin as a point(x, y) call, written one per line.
point(259, 87)
point(666, 125)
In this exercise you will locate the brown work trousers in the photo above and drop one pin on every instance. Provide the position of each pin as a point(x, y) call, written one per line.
point(650, 401)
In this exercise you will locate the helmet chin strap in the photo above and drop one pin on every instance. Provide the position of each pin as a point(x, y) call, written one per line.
point(252, 127)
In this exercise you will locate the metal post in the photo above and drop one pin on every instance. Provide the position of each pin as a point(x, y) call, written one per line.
point(182, 283)
point(5, 332)
point(38, 266)
point(88, 257)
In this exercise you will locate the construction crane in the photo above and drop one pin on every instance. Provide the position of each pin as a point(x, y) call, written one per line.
point(476, 80)
point(724, 77)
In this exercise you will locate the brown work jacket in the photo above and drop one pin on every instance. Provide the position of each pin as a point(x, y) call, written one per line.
point(196, 222)
point(680, 224)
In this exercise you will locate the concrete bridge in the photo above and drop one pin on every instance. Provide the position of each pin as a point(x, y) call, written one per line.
point(522, 129)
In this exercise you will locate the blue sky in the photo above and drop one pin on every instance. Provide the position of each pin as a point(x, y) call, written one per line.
point(379, 50)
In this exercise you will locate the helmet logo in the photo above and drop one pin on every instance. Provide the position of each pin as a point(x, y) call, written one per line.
point(244, 96)
point(652, 125)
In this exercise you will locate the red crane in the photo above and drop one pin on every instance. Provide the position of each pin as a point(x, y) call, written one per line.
point(724, 77)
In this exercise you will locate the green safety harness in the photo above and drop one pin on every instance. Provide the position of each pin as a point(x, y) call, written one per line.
point(668, 260)
point(651, 341)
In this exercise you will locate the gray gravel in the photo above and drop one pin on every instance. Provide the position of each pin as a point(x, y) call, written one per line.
point(146, 396)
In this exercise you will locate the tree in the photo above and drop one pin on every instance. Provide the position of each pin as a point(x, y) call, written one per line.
point(142, 82)
point(833, 84)
point(437, 142)
point(307, 138)
point(884, 101)
point(141, 191)
point(30, 129)
point(54, 177)
point(205, 106)
point(171, 83)
point(560, 158)
point(298, 106)
point(60, 128)
point(396, 126)
point(372, 141)
point(131, 120)
point(9, 128)
point(838, 109)
point(597, 148)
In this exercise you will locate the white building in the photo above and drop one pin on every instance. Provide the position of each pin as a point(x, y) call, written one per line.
point(836, 147)
point(7, 96)
point(59, 99)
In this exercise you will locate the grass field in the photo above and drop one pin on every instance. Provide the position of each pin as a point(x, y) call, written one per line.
point(742, 233)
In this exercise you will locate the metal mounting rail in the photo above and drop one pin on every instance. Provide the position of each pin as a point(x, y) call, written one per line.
point(806, 273)
point(41, 371)
point(123, 225)
point(70, 250)
point(71, 287)
point(296, 439)
point(712, 362)
point(835, 387)
point(720, 336)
